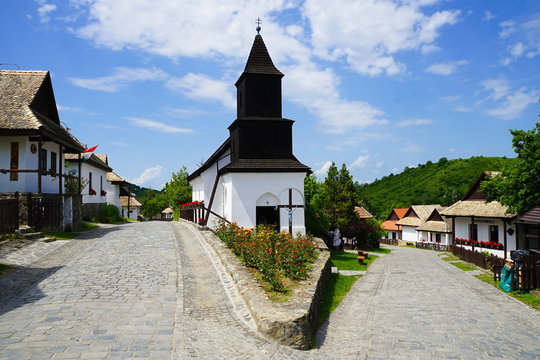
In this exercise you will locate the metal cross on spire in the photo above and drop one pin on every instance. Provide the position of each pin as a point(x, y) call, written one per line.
point(258, 21)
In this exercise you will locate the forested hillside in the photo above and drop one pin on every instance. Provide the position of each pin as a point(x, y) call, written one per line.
point(430, 183)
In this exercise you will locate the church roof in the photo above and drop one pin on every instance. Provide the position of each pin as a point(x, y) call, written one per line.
point(259, 60)
point(265, 165)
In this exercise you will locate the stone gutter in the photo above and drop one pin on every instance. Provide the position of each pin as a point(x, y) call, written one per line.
point(293, 323)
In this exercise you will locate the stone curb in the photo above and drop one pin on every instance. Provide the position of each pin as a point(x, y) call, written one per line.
point(291, 324)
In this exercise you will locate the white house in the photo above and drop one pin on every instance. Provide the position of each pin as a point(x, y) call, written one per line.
point(415, 216)
point(436, 229)
point(394, 231)
point(94, 171)
point(131, 207)
point(474, 218)
point(253, 177)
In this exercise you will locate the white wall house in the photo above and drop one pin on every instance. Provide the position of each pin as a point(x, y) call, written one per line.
point(415, 216)
point(131, 207)
point(436, 229)
point(473, 218)
point(253, 177)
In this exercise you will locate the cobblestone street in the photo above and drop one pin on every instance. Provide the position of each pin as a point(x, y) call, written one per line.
point(155, 290)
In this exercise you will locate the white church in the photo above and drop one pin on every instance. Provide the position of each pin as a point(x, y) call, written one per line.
point(253, 177)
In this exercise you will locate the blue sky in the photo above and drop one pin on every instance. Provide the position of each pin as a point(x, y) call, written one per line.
point(378, 85)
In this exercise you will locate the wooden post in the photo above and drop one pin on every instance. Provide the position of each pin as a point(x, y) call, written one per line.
point(129, 200)
point(504, 238)
point(60, 170)
point(39, 165)
point(290, 211)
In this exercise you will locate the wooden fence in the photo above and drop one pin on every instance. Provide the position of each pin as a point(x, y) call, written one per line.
point(526, 276)
point(389, 241)
point(9, 215)
point(432, 246)
point(45, 212)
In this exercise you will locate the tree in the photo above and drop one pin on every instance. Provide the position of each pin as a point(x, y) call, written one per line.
point(518, 185)
point(317, 220)
point(177, 190)
point(153, 203)
point(340, 196)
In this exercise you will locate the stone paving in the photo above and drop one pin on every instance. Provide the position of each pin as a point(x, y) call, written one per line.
point(154, 290)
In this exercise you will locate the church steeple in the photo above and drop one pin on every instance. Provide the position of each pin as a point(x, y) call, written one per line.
point(258, 90)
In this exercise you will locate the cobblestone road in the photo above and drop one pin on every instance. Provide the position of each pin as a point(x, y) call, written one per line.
point(154, 290)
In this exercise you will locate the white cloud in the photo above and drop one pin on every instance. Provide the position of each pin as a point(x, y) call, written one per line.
point(514, 104)
point(158, 126)
point(379, 165)
point(507, 29)
point(414, 122)
point(447, 68)
point(360, 162)
point(488, 16)
point(67, 108)
point(202, 87)
point(321, 173)
point(450, 98)
point(119, 79)
point(462, 109)
point(317, 91)
point(369, 33)
point(515, 51)
point(412, 147)
point(526, 36)
point(44, 11)
point(498, 87)
point(147, 175)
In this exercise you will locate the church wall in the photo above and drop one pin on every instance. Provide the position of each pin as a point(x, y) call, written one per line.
point(246, 188)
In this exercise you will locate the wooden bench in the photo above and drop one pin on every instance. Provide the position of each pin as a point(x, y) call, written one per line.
point(362, 255)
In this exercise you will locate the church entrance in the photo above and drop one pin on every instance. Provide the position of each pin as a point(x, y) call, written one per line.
point(267, 215)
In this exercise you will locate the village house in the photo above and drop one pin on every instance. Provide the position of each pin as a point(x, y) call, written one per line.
point(167, 214)
point(436, 229)
point(475, 219)
point(389, 225)
point(33, 145)
point(131, 207)
point(528, 230)
point(415, 216)
point(253, 177)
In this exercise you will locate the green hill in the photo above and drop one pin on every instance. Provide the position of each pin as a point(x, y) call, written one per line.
point(430, 183)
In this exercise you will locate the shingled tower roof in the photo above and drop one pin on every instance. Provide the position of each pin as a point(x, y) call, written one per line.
point(259, 61)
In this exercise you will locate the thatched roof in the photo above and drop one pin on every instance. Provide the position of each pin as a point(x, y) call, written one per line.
point(168, 210)
point(436, 226)
point(92, 160)
point(477, 208)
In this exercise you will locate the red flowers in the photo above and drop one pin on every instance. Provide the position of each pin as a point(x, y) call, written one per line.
point(196, 202)
point(103, 193)
point(92, 192)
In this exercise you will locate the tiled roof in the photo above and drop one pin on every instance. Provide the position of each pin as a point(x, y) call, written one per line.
point(363, 213)
point(93, 160)
point(423, 212)
point(133, 202)
point(400, 212)
point(19, 104)
point(390, 225)
point(478, 208)
point(259, 61)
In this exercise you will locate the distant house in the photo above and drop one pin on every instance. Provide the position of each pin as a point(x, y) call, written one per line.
point(167, 214)
point(473, 218)
point(32, 148)
point(415, 216)
point(116, 187)
point(528, 230)
point(94, 171)
point(131, 207)
point(394, 231)
point(362, 213)
point(436, 229)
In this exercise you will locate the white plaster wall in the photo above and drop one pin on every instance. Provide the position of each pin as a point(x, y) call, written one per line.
point(96, 174)
point(409, 233)
point(134, 212)
point(462, 227)
point(113, 195)
point(28, 182)
point(462, 231)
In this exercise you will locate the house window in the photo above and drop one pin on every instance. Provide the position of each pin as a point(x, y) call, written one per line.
point(90, 181)
point(393, 235)
point(101, 184)
point(438, 237)
point(53, 161)
point(14, 161)
point(473, 231)
point(494, 233)
point(43, 164)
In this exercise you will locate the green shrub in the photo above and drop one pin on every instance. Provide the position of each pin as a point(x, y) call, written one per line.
point(111, 212)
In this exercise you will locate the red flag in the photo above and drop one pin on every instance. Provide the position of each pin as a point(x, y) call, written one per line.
point(88, 152)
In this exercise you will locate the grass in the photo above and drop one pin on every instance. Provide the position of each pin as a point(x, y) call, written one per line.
point(463, 266)
point(347, 261)
point(449, 258)
point(338, 286)
point(68, 235)
point(381, 251)
point(520, 295)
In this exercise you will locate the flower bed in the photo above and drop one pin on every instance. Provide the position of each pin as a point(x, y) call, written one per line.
point(275, 255)
point(482, 244)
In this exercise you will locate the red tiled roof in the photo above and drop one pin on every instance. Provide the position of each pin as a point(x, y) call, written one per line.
point(390, 225)
point(363, 213)
point(400, 212)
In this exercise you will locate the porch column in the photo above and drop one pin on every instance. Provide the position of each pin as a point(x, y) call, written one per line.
point(474, 234)
point(60, 170)
point(39, 165)
point(453, 230)
point(504, 238)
